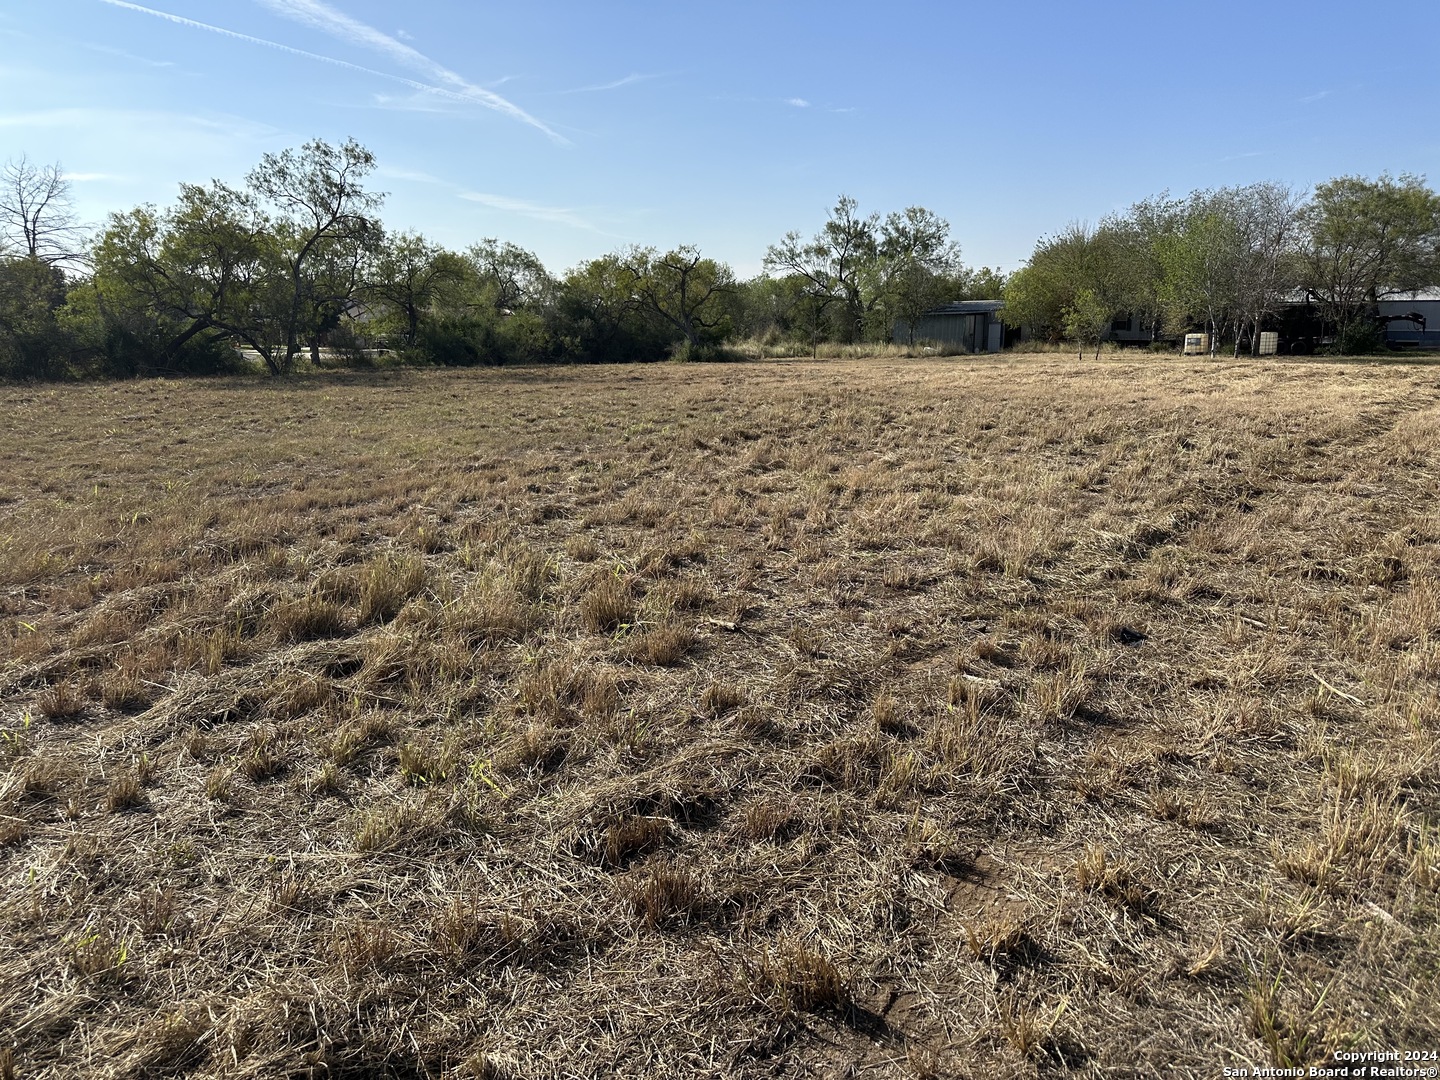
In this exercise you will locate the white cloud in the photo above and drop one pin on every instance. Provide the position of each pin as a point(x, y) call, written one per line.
point(110, 50)
point(557, 214)
point(413, 175)
point(119, 157)
point(328, 20)
point(134, 123)
point(415, 103)
point(628, 80)
point(798, 102)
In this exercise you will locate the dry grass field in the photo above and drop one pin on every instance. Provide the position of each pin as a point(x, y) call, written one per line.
point(904, 718)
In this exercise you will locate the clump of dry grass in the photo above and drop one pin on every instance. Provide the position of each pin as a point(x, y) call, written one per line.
point(538, 746)
point(795, 977)
point(666, 896)
point(720, 698)
point(387, 584)
point(305, 618)
point(607, 606)
point(768, 819)
point(582, 549)
point(1117, 880)
point(124, 792)
point(125, 687)
point(217, 783)
point(491, 614)
point(262, 756)
point(62, 701)
point(999, 940)
point(560, 691)
point(630, 837)
point(1028, 1027)
point(665, 646)
point(1359, 840)
point(425, 763)
point(1190, 809)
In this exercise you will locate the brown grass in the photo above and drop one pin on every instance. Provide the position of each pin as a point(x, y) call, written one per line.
point(885, 718)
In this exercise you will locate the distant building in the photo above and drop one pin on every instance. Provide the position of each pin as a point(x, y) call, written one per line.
point(974, 326)
point(968, 325)
point(1128, 329)
point(1401, 330)
point(1405, 320)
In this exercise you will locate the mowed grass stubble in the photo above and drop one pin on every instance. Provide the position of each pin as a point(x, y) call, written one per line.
point(918, 718)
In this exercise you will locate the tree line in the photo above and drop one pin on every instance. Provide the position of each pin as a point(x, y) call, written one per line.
point(294, 267)
point(1230, 261)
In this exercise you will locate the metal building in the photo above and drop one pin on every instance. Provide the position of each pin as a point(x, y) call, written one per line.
point(1401, 329)
point(968, 325)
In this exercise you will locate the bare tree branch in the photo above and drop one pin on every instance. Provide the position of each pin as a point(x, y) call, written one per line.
point(36, 215)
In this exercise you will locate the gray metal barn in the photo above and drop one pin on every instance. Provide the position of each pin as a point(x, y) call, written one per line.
point(969, 325)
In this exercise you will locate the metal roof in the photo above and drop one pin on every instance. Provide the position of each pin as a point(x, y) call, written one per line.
point(1419, 295)
point(966, 307)
point(1301, 296)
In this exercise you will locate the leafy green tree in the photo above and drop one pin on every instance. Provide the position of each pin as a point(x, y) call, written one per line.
point(978, 283)
point(1070, 281)
point(1364, 239)
point(765, 308)
point(775, 309)
point(494, 304)
point(1086, 318)
point(1227, 260)
point(599, 320)
point(200, 273)
point(833, 264)
point(1223, 258)
point(324, 222)
point(408, 276)
point(913, 268)
point(1139, 236)
point(806, 306)
point(273, 266)
point(33, 344)
point(911, 289)
point(38, 237)
point(335, 285)
point(681, 290)
point(509, 278)
point(1201, 266)
point(1029, 303)
point(1267, 216)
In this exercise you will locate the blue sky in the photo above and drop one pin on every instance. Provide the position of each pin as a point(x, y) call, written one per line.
point(573, 128)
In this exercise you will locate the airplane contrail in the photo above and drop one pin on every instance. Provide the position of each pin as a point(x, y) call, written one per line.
point(480, 97)
point(319, 15)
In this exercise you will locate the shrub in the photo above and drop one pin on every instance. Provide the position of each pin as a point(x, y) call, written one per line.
point(1360, 339)
point(458, 342)
point(348, 348)
point(685, 352)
